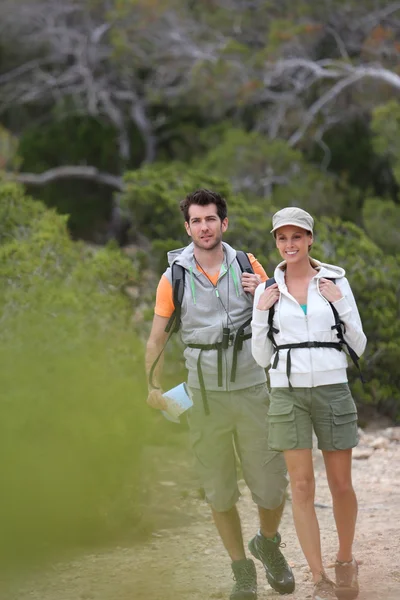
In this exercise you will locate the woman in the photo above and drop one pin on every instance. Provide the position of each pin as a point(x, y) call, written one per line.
point(302, 326)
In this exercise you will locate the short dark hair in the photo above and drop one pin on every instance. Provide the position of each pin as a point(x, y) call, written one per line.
point(203, 197)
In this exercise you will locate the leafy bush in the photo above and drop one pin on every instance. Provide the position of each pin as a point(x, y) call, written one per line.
point(381, 219)
point(151, 200)
point(72, 410)
point(261, 169)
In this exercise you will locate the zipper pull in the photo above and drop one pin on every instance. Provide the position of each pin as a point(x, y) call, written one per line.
point(216, 292)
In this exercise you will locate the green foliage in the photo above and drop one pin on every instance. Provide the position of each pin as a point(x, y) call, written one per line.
point(72, 140)
point(385, 125)
point(72, 422)
point(381, 219)
point(152, 197)
point(9, 158)
point(17, 217)
point(203, 75)
point(72, 410)
point(261, 168)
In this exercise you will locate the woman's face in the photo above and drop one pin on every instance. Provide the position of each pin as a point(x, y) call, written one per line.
point(293, 243)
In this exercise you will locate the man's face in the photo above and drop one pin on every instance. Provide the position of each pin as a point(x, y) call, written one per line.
point(205, 227)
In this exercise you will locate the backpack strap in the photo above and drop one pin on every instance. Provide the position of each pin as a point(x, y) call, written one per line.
point(340, 331)
point(244, 262)
point(271, 312)
point(339, 326)
point(178, 288)
point(173, 325)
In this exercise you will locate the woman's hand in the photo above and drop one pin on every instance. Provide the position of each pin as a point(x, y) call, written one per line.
point(268, 298)
point(329, 290)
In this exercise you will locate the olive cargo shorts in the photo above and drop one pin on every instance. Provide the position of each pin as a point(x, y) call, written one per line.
point(237, 420)
point(329, 409)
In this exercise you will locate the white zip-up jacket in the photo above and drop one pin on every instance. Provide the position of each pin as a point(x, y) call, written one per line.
point(311, 367)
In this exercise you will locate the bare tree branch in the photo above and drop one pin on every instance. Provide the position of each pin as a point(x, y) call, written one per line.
point(376, 17)
point(292, 71)
point(68, 172)
point(319, 104)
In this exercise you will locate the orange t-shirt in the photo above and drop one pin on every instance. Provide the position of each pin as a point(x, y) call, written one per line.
point(164, 301)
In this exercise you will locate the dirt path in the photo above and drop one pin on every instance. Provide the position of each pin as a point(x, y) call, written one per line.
point(184, 558)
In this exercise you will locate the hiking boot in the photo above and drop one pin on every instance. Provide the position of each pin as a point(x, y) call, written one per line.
point(346, 580)
point(245, 576)
point(278, 572)
point(324, 589)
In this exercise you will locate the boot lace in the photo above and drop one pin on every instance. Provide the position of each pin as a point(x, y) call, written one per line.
point(273, 556)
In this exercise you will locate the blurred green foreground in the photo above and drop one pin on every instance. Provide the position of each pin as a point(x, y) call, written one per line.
point(71, 386)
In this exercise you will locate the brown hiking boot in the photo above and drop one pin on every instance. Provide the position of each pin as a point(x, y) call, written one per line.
point(324, 589)
point(346, 580)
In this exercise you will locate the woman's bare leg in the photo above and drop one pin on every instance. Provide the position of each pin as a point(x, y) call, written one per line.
point(301, 472)
point(338, 472)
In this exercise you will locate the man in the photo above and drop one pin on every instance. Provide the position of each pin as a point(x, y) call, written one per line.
point(228, 389)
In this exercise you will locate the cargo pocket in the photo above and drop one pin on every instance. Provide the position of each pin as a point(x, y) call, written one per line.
point(344, 426)
point(282, 431)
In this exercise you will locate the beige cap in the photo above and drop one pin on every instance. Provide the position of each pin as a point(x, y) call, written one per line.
point(292, 216)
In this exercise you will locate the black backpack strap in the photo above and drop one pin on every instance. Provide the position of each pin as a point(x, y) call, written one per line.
point(155, 363)
point(340, 331)
point(244, 262)
point(271, 312)
point(178, 288)
point(270, 282)
point(245, 266)
point(238, 346)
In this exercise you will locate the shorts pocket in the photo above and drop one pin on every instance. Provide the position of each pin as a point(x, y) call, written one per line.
point(282, 431)
point(344, 426)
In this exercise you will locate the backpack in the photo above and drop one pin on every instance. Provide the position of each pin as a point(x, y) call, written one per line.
point(178, 288)
point(339, 345)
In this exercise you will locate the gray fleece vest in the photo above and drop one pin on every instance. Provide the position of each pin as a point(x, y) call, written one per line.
point(205, 311)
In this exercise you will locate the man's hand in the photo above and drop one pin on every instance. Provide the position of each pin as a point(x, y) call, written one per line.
point(250, 282)
point(156, 400)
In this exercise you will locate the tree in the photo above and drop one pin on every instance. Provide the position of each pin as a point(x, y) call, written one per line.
point(262, 169)
point(294, 75)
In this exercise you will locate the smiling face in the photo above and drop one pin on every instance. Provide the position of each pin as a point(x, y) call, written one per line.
point(293, 243)
point(205, 227)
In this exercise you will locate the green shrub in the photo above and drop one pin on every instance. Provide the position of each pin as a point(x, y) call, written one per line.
point(381, 219)
point(72, 412)
point(151, 200)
